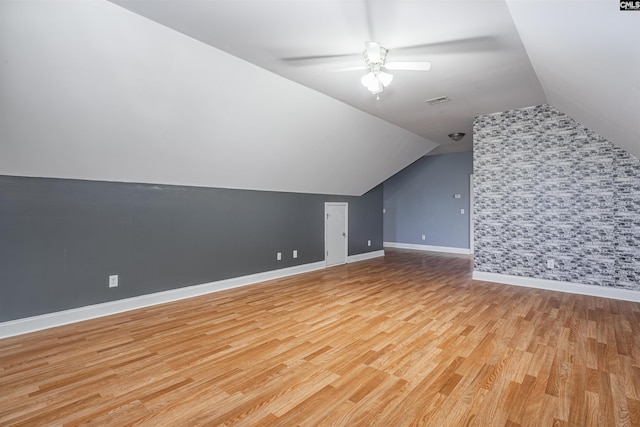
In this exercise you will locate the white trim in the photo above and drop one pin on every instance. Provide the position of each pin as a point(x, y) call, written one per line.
point(45, 321)
point(365, 256)
point(555, 285)
point(429, 248)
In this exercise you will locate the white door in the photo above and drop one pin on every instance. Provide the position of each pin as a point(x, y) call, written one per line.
point(335, 233)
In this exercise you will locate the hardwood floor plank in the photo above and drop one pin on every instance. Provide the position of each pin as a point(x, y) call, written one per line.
point(408, 339)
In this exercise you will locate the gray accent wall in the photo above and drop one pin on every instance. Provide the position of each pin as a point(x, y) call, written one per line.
point(61, 239)
point(420, 200)
point(547, 187)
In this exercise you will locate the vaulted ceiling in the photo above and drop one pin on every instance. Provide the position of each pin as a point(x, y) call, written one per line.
point(236, 93)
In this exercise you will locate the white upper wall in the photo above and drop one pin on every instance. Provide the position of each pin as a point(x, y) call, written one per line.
point(89, 90)
point(587, 57)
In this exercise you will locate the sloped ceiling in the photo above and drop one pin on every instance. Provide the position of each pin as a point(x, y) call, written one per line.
point(586, 55)
point(91, 90)
point(478, 60)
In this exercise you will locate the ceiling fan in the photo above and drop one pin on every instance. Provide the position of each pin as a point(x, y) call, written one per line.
point(375, 59)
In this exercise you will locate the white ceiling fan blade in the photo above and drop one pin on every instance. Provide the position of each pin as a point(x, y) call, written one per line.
point(373, 51)
point(339, 70)
point(408, 66)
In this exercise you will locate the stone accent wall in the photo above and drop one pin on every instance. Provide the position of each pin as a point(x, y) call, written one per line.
point(546, 188)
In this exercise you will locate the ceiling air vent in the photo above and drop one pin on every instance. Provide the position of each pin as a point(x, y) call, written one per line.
point(438, 100)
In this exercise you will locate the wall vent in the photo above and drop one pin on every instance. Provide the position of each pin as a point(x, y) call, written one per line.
point(437, 100)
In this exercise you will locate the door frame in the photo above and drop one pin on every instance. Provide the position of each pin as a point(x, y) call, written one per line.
point(471, 203)
point(346, 230)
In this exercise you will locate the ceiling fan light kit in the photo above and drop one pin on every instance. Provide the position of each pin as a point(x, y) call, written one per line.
point(377, 79)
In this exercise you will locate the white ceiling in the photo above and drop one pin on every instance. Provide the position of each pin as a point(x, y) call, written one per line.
point(89, 90)
point(178, 92)
point(587, 57)
point(586, 54)
point(477, 58)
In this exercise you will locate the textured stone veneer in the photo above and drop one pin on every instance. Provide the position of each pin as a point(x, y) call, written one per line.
point(546, 187)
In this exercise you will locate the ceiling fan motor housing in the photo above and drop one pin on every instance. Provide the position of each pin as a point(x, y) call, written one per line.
point(372, 62)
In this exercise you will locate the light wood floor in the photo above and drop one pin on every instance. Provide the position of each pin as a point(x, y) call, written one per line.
point(405, 340)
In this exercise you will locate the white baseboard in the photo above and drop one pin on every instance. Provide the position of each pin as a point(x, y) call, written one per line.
point(555, 285)
point(44, 321)
point(428, 248)
point(365, 256)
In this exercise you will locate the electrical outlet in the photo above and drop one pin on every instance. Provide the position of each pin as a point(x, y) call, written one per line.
point(368, 242)
point(551, 263)
point(424, 237)
point(384, 210)
point(279, 256)
point(295, 253)
point(461, 211)
point(113, 281)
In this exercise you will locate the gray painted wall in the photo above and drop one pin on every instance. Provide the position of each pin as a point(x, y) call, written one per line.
point(546, 187)
point(420, 200)
point(61, 239)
